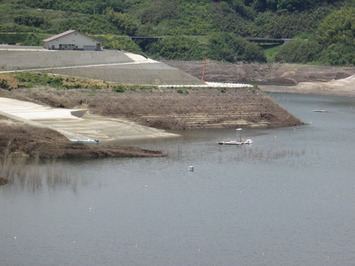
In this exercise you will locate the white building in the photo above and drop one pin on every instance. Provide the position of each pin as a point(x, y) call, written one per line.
point(72, 40)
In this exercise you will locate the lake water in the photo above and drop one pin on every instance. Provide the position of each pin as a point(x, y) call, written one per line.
point(287, 199)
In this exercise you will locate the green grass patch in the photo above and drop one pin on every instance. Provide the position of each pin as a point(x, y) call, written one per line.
point(28, 80)
point(270, 53)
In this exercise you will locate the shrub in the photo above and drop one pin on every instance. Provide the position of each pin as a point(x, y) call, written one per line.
point(338, 54)
point(338, 27)
point(232, 48)
point(178, 47)
point(119, 88)
point(30, 20)
point(182, 91)
point(298, 51)
point(125, 43)
point(4, 84)
point(123, 22)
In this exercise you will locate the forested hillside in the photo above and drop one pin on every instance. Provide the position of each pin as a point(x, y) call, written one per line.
point(323, 31)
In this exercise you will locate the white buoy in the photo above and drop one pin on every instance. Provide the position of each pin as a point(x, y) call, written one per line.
point(191, 168)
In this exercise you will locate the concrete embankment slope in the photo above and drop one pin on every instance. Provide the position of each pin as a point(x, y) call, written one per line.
point(107, 65)
point(74, 123)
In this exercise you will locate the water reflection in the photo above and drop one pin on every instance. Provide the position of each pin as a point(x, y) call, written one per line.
point(34, 175)
point(260, 155)
point(288, 199)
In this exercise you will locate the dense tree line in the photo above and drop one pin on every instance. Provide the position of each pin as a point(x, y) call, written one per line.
point(333, 42)
point(323, 30)
point(86, 6)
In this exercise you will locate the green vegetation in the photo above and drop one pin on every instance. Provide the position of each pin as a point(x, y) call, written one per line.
point(18, 80)
point(125, 43)
point(271, 51)
point(298, 51)
point(119, 88)
point(29, 80)
point(182, 91)
point(323, 30)
point(178, 47)
point(232, 48)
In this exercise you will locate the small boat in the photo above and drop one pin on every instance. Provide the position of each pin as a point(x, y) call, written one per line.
point(320, 111)
point(234, 142)
point(85, 140)
point(248, 141)
point(231, 142)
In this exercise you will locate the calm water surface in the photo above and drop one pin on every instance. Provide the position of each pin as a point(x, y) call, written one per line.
point(287, 199)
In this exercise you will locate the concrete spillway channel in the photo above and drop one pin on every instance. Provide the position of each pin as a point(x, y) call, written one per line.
point(74, 123)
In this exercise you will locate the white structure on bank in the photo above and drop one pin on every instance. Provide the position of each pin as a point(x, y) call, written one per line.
point(72, 40)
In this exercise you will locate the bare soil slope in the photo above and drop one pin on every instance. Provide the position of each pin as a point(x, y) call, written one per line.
point(271, 73)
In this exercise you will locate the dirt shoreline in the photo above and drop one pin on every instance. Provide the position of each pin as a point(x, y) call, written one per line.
point(276, 77)
point(171, 108)
point(18, 139)
point(262, 73)
point(298, 90)
point(164, 108)
point(168, 108)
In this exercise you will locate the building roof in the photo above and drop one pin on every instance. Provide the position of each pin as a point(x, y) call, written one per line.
point(59, 35)
point(64, 34)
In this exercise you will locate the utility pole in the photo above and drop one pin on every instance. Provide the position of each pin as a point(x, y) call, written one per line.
point(204, 69)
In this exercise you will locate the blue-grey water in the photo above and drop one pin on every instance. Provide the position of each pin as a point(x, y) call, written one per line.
point(287, 199)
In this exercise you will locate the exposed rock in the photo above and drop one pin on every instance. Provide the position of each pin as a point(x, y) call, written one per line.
point(3, 181)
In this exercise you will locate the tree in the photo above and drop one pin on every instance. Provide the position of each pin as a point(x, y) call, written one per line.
point(178, 47)
point(293, 5)
point(119, 42)
point(299, 51)
point(32, 21)
point(338, 54)
point(123, 22)
point(338, 27)
point(337, 35)
point(233, 48)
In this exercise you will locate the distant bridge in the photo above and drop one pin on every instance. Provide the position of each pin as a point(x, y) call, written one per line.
point(268, 40)
point(250, 39)
point(146, 38)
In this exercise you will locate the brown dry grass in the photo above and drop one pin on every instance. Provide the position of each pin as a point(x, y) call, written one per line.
point(8, 82)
